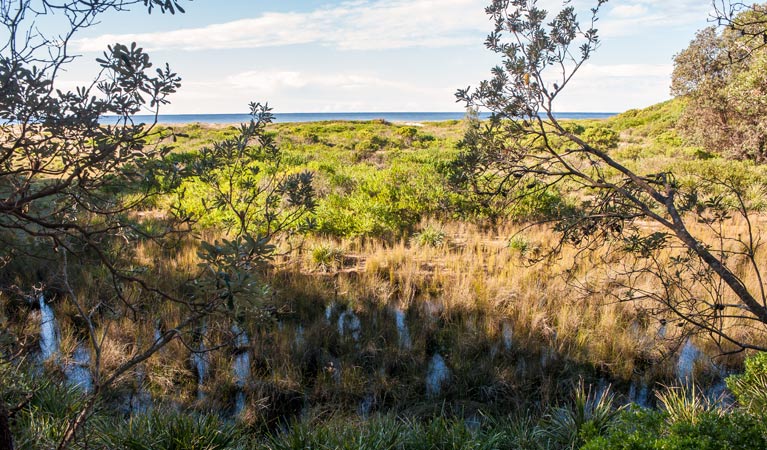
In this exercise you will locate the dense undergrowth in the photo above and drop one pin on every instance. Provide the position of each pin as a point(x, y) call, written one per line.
point(380, 179)
point(588, 420)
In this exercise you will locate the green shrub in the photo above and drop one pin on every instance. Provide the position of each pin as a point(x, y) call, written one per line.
point(590, 414)
point(650, 430)
point(430, 236)
point(601, 137)
point(750, 388)
point(408, 135)
point(685, 403)
point(325, 257)
point(519, 244)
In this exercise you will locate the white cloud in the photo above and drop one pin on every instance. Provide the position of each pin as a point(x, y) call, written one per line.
point(391, 24)
point(652, 16)
point(274, 80)
point(361, 25)
point(397, 80)
point(628, 11)
point(616, 87)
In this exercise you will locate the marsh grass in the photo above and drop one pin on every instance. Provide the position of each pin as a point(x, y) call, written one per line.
point(461, 282)
point(685, 403)
point(457, 298)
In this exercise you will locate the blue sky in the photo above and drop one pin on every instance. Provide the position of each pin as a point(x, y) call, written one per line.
point(380, 55)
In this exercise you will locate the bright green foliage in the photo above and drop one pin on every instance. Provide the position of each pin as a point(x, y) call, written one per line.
point(649, 430)
point(326, 257)
point(519, 244)
point(241, 180)
point(750, 387)
point(601, 137)
point(367, 179)
point(685, 404)
point(430, 236)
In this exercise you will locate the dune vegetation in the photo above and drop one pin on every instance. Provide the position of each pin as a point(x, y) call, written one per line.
point(425, 320)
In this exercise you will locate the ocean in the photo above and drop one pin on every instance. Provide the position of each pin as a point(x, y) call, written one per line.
point(405, 117)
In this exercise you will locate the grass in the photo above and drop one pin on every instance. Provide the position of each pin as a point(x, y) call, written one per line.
point(389, 236)
point(587, 420)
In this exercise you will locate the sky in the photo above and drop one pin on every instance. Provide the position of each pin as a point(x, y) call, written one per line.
point(380, 55)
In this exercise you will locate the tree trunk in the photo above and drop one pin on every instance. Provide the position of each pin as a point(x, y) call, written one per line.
point(6, 439)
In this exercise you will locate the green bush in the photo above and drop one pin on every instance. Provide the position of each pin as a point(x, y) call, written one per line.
point(430, 237)
point(685, 403)
point(601, 137)
point(750, 388)
point(651, 430)
point(326, 257)
point(590, 414)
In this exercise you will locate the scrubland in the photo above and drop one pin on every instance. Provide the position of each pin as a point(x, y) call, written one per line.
point(412, 316)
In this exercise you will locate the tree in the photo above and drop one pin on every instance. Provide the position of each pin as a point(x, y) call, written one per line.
point(61, 172)
point(72, 192)
point(748, 20)
point(671, 244)
point(242, 178)
point(721, 76)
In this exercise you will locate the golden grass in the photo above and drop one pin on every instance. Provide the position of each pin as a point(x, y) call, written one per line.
point(458, 297)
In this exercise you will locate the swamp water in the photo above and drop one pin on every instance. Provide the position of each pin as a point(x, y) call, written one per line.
point(241, 367)
point(435, 375)
point(77, 369)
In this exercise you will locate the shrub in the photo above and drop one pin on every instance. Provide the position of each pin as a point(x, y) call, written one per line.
point(325, 257)
point(601, 137)
point(519, 244)
point(642, 429)
point(750, 388)
point(684, 403)
point(430, 236)
point(590, 414)
point(408, 135)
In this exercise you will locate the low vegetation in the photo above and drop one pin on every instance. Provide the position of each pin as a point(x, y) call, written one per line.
point(325, 343)
point(521, 282)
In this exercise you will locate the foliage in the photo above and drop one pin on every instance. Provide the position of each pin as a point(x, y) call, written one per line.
point(163, 430)
point(71, 188)
point(430, 236)
point(326, 257)
point(390, 433)
point(648, 430)
point(750, 387)
point(242, 178)
point(601, 137)
point(43, 421)
point(590, 414)
point(684, 403)
point(524, 150)
point(493, 192)
point(721, 74)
